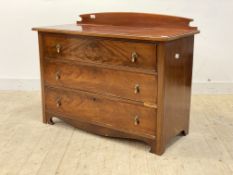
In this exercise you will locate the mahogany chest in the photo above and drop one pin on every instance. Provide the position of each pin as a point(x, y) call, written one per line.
point(122, 75)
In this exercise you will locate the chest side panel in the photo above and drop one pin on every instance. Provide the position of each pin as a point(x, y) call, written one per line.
point(174, 79)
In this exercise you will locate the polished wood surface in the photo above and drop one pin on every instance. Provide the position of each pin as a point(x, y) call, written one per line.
point(105, 130)
point(141, 20)
point(178, 83)
point(149, 27)
point(101, 78)
point(101, 51)
point(41, 51)
point(102, 81)
point(174, 90)
point(98, 109)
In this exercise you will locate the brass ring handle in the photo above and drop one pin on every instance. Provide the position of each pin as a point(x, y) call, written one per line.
point(58, 48)
point(136, 89)
point(57, 76)
point(134, 57)
point(136, 120)
point(58, 102)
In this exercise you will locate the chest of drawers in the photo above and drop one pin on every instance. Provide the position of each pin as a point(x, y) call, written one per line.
point(122, 75)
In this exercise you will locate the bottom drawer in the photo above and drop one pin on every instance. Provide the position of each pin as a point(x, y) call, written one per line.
point(115, 113)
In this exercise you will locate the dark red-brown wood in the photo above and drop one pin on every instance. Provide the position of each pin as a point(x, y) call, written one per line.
point(141, 20)
point(174, 90)
point(102, 81)
point(141, 26)
point(101, 51)
point(95, 108)
point(91, 80)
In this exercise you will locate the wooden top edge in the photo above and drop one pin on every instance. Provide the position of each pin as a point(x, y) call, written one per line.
point(147, 34)
point(139, 26)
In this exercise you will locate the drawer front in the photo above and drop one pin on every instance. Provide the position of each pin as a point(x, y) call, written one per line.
point(101, 51)
point(129, 85)
point(98, 109)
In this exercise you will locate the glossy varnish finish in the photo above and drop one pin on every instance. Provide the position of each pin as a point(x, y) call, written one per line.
point(146, 27)
point(101, 51)
point(174, 90)
point(102, 81)
point(141, 20)
point(101, 110)
point(120, 74)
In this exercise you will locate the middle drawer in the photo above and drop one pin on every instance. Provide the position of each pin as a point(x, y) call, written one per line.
point(128, 85)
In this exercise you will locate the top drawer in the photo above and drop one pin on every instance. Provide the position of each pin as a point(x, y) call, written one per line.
point(101, 51)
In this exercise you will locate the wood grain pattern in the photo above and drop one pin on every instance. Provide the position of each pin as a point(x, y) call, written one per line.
point(141, 20)
point(174, 78)
point(104, 130)
point(97, 109)
point(102, 81)
point(178, 86)
point(139, 26)
point(101, 51)
point(156, 34)
point(120, 75)
point(41, 51)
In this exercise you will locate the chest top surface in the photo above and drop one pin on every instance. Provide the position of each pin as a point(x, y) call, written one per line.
point(139, 26)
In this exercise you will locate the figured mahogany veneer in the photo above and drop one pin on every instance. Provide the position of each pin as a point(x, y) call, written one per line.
point(101, 51)
point(94, 108)
point(102, 81)
point(122, 75)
